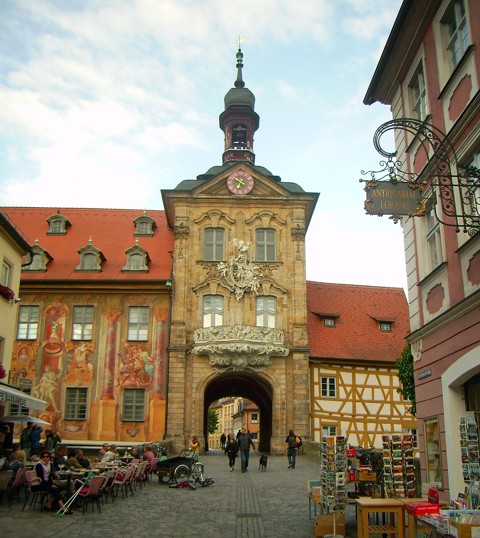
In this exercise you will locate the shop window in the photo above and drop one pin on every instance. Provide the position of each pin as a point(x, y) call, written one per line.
point(433, 453)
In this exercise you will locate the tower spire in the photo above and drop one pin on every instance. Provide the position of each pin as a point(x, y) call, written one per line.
point(239, 121)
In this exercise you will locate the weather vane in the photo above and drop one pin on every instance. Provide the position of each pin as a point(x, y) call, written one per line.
point(240, 40)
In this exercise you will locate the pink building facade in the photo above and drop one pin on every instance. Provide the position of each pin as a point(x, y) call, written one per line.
point(430, 71)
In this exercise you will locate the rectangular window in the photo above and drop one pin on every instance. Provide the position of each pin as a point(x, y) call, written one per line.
point(6, 271)
point(471, 198)
point(433, 451)
point(76, 404)
point(329, 387)
point(138, 317)
point(82, 323)
point(433, 238)
point(328, 430)
point(214, 242)
point(385, 327)
point(455, 25)
point(28, 317)
point(267, 312)
point(265, 245)
point(329, 322)
point(212, 310)
point(254, 418)
point(133, 405)
point(25, 385)
point(419, 95)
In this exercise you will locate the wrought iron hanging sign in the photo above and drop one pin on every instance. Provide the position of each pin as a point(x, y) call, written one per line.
point(396, 192)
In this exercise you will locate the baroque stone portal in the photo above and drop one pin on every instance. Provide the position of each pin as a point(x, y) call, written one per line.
point(239, 347)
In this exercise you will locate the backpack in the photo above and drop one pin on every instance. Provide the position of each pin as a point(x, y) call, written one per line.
point(292, 442)
point(298, 440)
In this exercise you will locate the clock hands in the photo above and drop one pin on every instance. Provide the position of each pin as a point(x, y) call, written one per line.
point(240, 182)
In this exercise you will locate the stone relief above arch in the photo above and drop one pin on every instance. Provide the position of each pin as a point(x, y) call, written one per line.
point(266, 218)
point(213, 284)
point(239, 347)
point(214, 216)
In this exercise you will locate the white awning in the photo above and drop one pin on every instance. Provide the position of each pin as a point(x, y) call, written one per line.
point(12, 395)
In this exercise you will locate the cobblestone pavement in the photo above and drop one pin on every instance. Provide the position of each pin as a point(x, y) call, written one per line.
point(238, 505)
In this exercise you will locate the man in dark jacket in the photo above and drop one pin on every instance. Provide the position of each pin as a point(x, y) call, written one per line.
point(244, 443)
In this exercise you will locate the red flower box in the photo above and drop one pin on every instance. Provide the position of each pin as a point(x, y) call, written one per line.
point(7, 293)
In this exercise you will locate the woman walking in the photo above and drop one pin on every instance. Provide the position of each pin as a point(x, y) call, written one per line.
point(231, 449)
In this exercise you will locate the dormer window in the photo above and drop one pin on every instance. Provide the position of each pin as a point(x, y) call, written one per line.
point(91, 259)
point(57, 225)
point(385, 323)
point(144, 225)
point(37, 259)
point(137, 260)
point(329, 320)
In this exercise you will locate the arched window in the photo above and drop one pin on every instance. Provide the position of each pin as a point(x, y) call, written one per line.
point(212, 311)
point(267, 312)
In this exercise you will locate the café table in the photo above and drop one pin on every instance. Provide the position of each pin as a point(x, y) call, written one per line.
point(367, 506)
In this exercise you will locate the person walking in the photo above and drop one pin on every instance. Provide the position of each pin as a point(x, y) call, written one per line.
point(231, 450)
point(291, 441)
point(223, 440)
point(244, 443)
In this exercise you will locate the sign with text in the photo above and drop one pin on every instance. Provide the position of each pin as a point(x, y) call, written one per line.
point(398, 199)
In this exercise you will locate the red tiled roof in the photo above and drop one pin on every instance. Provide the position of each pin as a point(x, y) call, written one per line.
point(112, 232)
point(356, 334)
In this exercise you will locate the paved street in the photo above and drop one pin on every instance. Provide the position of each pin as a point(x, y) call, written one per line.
point(253, 504)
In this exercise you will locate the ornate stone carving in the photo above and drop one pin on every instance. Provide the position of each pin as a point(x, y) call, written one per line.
point(240, 273)
point(416, 349)
point(239, 347)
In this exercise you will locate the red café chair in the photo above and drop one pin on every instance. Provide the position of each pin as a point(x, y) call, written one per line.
point(91, 492)
point(32, 479)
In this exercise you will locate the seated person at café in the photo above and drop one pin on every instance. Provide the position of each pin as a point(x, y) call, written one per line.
point(134, 453)
point(60, 458)
point(148, 454)
point(102, 451)
point(84, 462)
point(72, 462)
point(111, 454)
point(45, 472)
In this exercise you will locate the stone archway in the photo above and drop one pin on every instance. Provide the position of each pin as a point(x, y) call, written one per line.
point(250, 386)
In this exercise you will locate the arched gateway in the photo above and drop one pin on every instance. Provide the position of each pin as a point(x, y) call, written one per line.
point(254, 387)
point(238, 314)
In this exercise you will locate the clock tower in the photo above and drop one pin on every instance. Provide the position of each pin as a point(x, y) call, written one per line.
point(239, 121)
point(238, 314)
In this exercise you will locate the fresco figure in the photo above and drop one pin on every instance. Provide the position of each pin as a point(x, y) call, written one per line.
point(46, 389)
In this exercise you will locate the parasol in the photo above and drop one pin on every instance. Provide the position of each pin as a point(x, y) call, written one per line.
point(20, 419)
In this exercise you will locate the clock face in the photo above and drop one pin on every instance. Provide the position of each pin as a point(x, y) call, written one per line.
point(240, 182)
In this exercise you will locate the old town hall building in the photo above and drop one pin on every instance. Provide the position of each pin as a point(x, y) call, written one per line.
point(132, 323)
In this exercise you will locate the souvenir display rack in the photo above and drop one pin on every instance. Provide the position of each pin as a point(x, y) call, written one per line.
point(398, 466)
point(333, 474)
point(469, 448)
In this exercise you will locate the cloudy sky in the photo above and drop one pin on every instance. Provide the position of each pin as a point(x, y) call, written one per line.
point(105, 102)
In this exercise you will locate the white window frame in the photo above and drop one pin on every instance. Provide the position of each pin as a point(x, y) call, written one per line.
point(76, 403)
point(213, 311)
point(28, 322)
point(385, 326)
point(254, 418)
point(329, 430)
point(418, 93)
point(265, 244)
point(6, 275)
point(138, 323)
point(214, 244)
point(133, 409)
point(82, 322)
point(433, 238)
point(328, 386)
point(266, 308)
point(330, 322)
